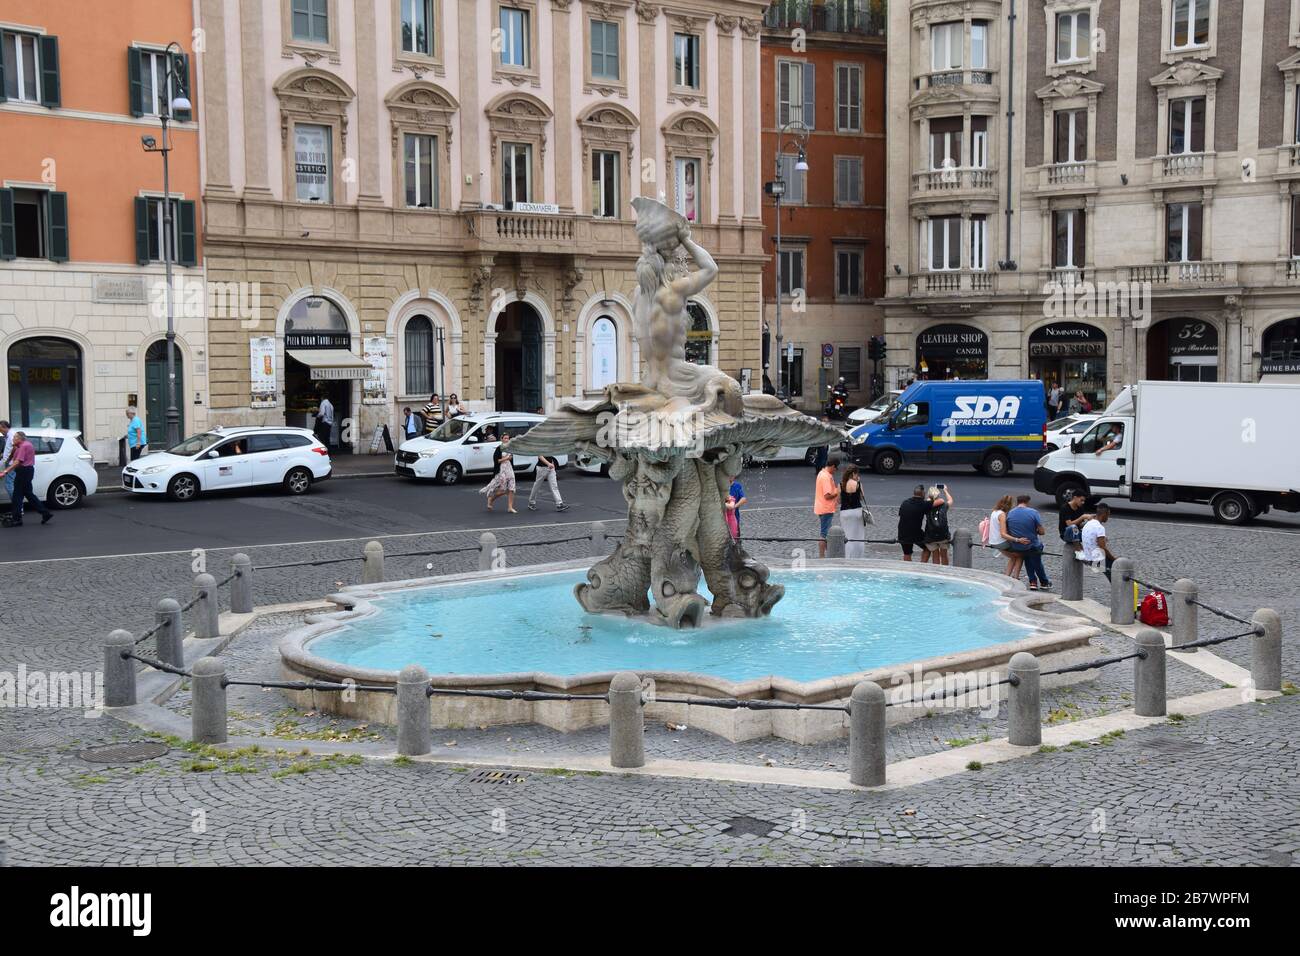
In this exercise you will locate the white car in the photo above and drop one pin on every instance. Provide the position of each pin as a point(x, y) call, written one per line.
point(226, 458)
point(869, 413)
point(465, 445)
point(1062, 430)
point(65, 470)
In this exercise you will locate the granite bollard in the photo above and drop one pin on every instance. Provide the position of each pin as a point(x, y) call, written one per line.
point(241, 588)
point(867, 735)
point(626, 721)
point(1149, 674)
point(1266, 651)
point(171, 634)
point(835, 542)
point(1121, 592)
point(961, 548)
point(1184, 624)
point(487, 549)
point(119, 672)
point(372, 563)
point(208, 706)
point(414, 730)
point(207, 616)
point(1024, 702)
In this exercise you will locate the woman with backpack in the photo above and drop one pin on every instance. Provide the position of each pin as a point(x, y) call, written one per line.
point(993, 532)
point(937, 536)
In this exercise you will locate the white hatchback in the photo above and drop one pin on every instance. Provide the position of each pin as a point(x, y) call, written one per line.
point(65, 470)
point(227, 458)
point(465, 445)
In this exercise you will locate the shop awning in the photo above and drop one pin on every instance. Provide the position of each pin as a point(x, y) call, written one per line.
point(331, 363)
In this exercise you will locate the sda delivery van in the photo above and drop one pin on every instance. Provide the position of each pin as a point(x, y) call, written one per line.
point(992, 425)
point(1231, 445)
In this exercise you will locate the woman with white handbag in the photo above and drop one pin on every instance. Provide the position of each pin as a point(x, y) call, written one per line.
point(854, 514)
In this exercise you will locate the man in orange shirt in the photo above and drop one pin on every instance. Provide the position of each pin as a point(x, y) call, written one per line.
point(826, 499)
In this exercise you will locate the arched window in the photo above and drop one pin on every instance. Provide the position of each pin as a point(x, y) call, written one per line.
point(45, 383)
point(315, 314)
point(604, 353)
point(421, 356)
point(699, 340)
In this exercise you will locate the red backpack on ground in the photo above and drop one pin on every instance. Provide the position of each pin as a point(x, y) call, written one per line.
point(1154, 611)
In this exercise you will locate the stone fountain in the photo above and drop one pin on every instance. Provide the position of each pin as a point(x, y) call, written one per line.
point(676, 442)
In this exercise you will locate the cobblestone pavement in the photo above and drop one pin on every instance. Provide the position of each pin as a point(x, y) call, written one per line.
point(1221, 788)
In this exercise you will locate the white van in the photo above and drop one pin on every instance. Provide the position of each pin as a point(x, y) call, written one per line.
point(465, 446)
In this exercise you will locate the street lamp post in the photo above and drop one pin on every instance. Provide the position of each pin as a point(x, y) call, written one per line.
point(776, 189)
point(174, 98)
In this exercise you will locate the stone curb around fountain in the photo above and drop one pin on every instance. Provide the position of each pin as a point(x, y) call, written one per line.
point(1054, 634)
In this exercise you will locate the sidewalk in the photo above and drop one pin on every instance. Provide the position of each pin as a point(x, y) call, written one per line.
point(345, 466)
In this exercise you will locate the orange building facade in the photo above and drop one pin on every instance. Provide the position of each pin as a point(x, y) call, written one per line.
point(823, 68)
point(82, 275)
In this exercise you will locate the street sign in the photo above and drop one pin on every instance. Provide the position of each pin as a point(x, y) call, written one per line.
point(827, 350)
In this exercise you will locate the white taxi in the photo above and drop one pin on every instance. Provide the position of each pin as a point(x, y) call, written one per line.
point(226, 458)
point(465, 446)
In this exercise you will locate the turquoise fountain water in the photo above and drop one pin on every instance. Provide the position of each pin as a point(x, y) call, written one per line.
point(831, 623)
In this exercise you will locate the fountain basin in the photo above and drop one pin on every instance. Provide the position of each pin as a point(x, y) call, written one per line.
point(841, 622)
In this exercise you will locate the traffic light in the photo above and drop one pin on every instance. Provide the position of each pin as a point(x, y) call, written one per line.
point(876, 348)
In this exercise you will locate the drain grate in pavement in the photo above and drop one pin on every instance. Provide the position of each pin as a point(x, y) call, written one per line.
point(499, 777)
point(124, 753)
point(747, 826)
point(28, 741)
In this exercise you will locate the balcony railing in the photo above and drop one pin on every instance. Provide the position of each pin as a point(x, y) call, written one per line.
point(959, 77)
point(965, 282)
point(846, 16)
point(1191, 274)
point(1067, 174)
point(1186, 166)
point(953, 179)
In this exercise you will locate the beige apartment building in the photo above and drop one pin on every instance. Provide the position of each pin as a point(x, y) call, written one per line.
point(434, 195)
point(1093, 192)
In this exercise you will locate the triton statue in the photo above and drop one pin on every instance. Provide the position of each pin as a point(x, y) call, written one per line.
point(675, 442)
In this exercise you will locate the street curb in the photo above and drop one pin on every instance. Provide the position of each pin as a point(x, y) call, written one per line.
point(119, 490)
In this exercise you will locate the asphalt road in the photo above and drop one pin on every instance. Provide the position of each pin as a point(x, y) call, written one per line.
point(345, 508)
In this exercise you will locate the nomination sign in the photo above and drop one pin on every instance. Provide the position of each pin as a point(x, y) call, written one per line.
point(1067, 340)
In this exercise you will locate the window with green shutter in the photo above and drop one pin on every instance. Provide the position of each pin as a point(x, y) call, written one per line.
point(57, 216)
point(33, 224)
point(29, 68)
point(188, 233)
point(8, 239)
point(49, 63)
point(135, 80)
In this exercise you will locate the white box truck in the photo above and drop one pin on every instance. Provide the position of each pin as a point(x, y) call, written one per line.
point(1233, 446)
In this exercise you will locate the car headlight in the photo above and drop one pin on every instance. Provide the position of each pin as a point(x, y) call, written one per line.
point(1042, 462)
point(155, 469)
point(428, 454)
